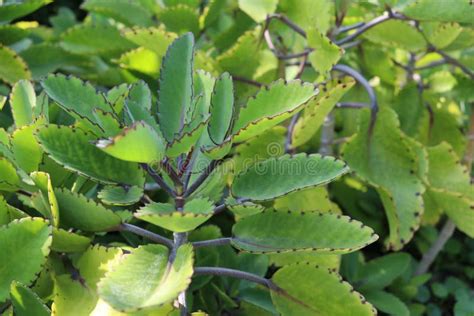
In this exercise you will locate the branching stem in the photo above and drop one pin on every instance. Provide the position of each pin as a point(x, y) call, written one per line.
point(212, 242)
point(236, 274)
point(145, 233)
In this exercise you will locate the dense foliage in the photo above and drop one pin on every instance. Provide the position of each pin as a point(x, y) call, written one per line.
point(236, 157)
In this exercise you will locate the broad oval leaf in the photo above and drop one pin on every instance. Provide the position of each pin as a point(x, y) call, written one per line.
point(128, 12)
point(310, 231)
point(270, 107)
point(9, 179)
point(279, 176)
point(147, 278)
point(307, 290)
point(138, 143)
point(195, 212)
point(25, 245)
point(433, 10)
point(258, 10)
point(25, 148)
point(79, 212)
point(72, 148)
point(176, 79)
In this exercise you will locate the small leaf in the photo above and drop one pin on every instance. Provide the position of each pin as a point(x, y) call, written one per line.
point(317, 110)
point(133, 285)
point(188, 139)
point(13, 67)
point(26, 302)
point(309, 290)
point(118, 195)
point(25, 245)
point(243, 209)
point(72, 148)
point(270, 107)
point(51, 210)
point(258, 10)
point(22, 103)
point(311, 231)
point(79, 212)
point(176, 79)
point(137, 143)
point(195, 212)
point(279, 176)
point(107, 122)
point(65, 241)
point(326, 54)
point(222, 109)
point(71, 297)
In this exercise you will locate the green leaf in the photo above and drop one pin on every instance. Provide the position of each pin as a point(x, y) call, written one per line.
point(243, 58)
point(189, 137)
point(26, 302)
point(258, 10)
point(279, 176)
point(12, 10)
point(441, 34)
point(243, 209)
point(311, 231)
point(317, 110)
point(389, 162)
point(13, 66)
point(387, 303)
point(90, 39)
point(175, 95)
point(396, 33)
point(45, 58)
point(107, 121)
point(9, 179)
point(313, 199)
point(444, 11)
point(95, 262)
point(25, 245)
point(51, 210)
point(118, 195)
point(22, 103)
point(72, 148)
point(180, 19)
point(324, 260)
point(25, 148)
point(222, 109)
point(11, 34)
point(140, 60)
point(138, 143)
point(127, 12)
point(132, 285)
point(75, 96)
point(79, 212)
point(65, 241)
point(155, 39)
point(270, 107)
point(309, 290)
point(380, 272)
point(195, 212)
point(71, 297)
point(325, 54)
